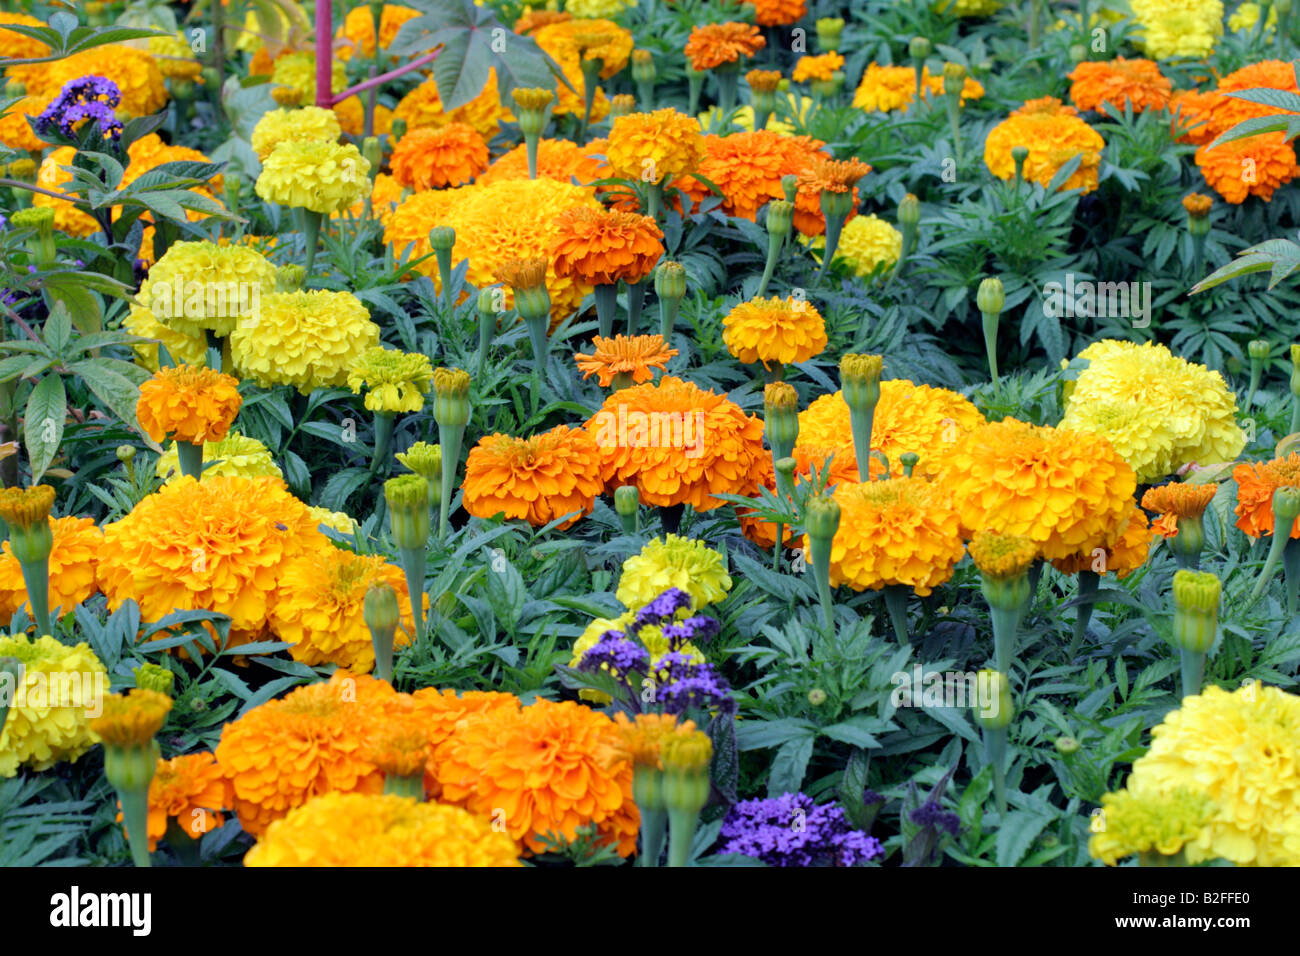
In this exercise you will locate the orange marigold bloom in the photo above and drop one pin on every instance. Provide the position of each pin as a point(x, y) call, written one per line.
point(190, 790)
point(1054, 135)
point(822, 67)
point(440, 713)
point(548, 767)
point(1124, 552)
point(73, 562)
point(835, 175)
point(1255, 166)
point(15, 131)
point(715, 44)
point(774, 330)
point(538, 479)
point(531, 20)
point(1063, 489)
point(636, 356)
point(665, 142)
point(1227, 111)
point(599, 247)
point(748, 167)
point(1180, 499)
point(901, 531)
point(909, 417)
point(558, 159)
point(1193, 114)
point(756, 529)
point(19, 46)
point(214, 545)
point(318, 607)
point(432, 157)
point(188, 403)
point(423, 107)
point(1256, 482)
point(779, 13)
point(282, 753)
point(1118, 81)
point(677, 443)
point(641, 737)
point(1166, 525)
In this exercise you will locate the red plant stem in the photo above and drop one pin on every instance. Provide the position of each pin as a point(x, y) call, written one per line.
point(383, 78)
point(324, 53)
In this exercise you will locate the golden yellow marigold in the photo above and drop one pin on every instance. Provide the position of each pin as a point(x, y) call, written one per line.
point(317, 607)
point(235, 456)
point(539, 479)
point(1053, 138)
point(898, 531)
point(548, 767)
point(712, 45)
point(175, 57)
point(674, 562)
point(198, 287)
point(72, 569)
point(1256, 482)
point(293, 78)
point(188, 790)
point(1239, 749)
point(1063, 489)
point(885, 89)
point(51, 175)
point(351, 114)
point(432, 157)
point(320, 177)
point(357, 34)
point(49, 711)
point(394, 381)
point(189, 404)
point(636, 356)
point(17, 46)
point(304, 339)
point(26, 508)
point(382, 830)
point(280, 754)
point(1123, 552)
point(216, 545)
point(135, 72)
point(677, 443)
point(305, 124)
point(1119, 81)
point(132, 719)
point(15, 131)
point(866, 244)
point(559, 159)
point(1001, 556)
point(660, 145)
point(599, 247)
point(774, 330)
point(423, 107)
point(823, 67)
point(1137, 822)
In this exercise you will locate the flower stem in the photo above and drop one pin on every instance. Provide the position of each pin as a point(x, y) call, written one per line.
point(635, 299)
point(384, 422)
point(681, 831)
point(135, 814)
point(1291, 574)
point(606, 308)
point(487, 325)
point(834, 225)
point(653, 825)
point(668, 316)
point(412, 562)
point(995, 746)
point(1088, 584)
point(896, 606)
point(861, 425)
point(774, 243)
point(191, 459)
point(822, 569)
point(36, 578)
point(990, 320)
point(1193, 668)
point(1277, 545)
point(1005, 624)
point(450, 437)
point(537, 329)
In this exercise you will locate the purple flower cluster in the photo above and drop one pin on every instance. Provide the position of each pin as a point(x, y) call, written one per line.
point(662, 608)
point(91, 98)
point(685, 684)
point(619, 653)
point(791, 830)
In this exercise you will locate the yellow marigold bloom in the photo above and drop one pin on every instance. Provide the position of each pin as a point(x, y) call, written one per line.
point(643, 736)
point(17, 46)
point(432, 157)
point(487, 238)
point(351, 114)
point(335, 520)
point(394, 381)
point(1246, 17)
point(16, 132)
point(1122, 552)
point(822, 67)
point(1054, 135)
point(132, 719)
point(597, 8)
point(235, 456)
point(539, 479)
point(909, 417)
point(677, 443)
point(774, 330)
point(282, 753)
point(1064, 489)
point(183, 348)
point(26, 508)
point(526, 762)
point(1240, 750)
point(866, 243)
point(48, 714)
point(320, 177)
point(306, 124)
point(1178, 28)
point(216, 545)
point(885, 89)
point(423, 107)
point(73, 560)
point(295, 73)
point(660, 144)
point(201, 286)
point(175, 57)
point(1160, 411)
point(652, 636)
point(374, 830)
point(135, 72)
point(1149, 822)
point(357, 34)
point(1002, 556)
point(304, 339)
point(189, 790)
point(674, 562)
point(51, 175)
point(897, 531)
point(188, 404)
point(318, 607)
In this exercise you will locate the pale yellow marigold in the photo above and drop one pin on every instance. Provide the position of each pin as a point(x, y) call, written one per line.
point(338, 521)
point(140, 320)
point(320, 177)
point(1246, 18)
point(235, 456)
point(305, 124)
point(295, 75)
point(201, 286)
point(597, 8)
point(774, 330)
point(1178, 28)
point(175, 57)
point(1148, 822)
point(674, 562)
point(59, 690)
point(394, 381)
point(866, 243)
point(304, 339)
point(652, 636)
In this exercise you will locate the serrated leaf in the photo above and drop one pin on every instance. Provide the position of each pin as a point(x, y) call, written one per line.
point(789, 766)
point(112, 387)
point(47, 407)
point(1017, 833)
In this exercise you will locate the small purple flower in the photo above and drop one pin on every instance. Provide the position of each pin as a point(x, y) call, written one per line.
point(935, 817)
point(693, 629)
point(663, 608)
point(620, 653)
point(791, 830)
point(90, 98)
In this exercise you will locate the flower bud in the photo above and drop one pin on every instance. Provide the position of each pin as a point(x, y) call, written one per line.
point(408, 510)
point(533, 109)
point(790, 186)
point(991, 297)
point(909, 211)
point(1018, 156)
point(626, 500)
point(643, 66)
point(396, 129)
point(860, 380)
point(155, 678)
point(442, 238)
point(426, 461)
point(670, 280)
point(374, 155)
point(816, 696)
point(908, 460)
point(1295, 370)
point(918, 48)
point(830, 30)
point(27, 513)
point(1196, 609)
point(785, 469)
point(23, 169)
point(1066, 746)
point(125, 453)
point(527, 279)
point(290, 278)
point(686, 760)
point(1078, 53)
point(1286, 507)
point(954, 78)
point(994, 709)
point(781, 418)
point(822, 518)
point(451, 396)
point(41, 220)
point(621, 105)
point(379, 607)
point(1259, 349)
point(780, 217)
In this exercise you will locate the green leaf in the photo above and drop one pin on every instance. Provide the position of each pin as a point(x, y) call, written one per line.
point(113, 388)
point(58, 329)
point(1288, 125)
point(47, 407)
point(789, 766)
point(756, 735)
point(854, 731)
point(1017, 833)
point(1281, 99)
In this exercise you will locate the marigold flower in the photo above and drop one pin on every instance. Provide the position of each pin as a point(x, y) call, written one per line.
point(1254, 166)
point(135, 73)
point(531, 20)
point(548, 767)
point(48, 720)
point(1124, 551)
point(197, 287)
point(19, 46)
point(394, 381)
point(305, 339)
point(652, 636)
point(188, 404)
point(132, 719)
point(1193, 113)
point(432, 157)
point(1119, 81)
point(677, 443)
point(216, 545)
point(779, 13)
point(1256, 482)
point(538, 479)
point(642, 737)
point(1053, 137)
point(558, 159)
point(235, 456)
point(1178, 28)
point(1239, 750)
point(665, 143)
point(635, 356)
point(423, 107)
point(599, 247)
point(358, 30)
point(381, 830)
point(570, 41)
point(15, 131)
point(317, 607)
point(1002, 557)
point(72, 576)
point(674, 562)
point(834, 175)
point(321, 177)
point(748, 168)
point(774, 330)
point(293, 78)
point(1180, 499)
point(810, 68)
point(190, 790)
point(866, 244)
point(1227, 111)
point(712, 45)
point(1063, 489)
point(885, 89)
point(1149, 823)
point(306, 124)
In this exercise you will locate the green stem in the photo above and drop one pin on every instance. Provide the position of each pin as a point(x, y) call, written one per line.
point(774, 243)
point(681, 831)
point(135, 814)
point(1277, 545)
point(822, 569)
point(537, 329)
point(668, 316)
point(995, 746)
point(383, 645)
point(487, 326)
point(412, 786)
point(654, 823)
point(834, 226)
point(896, 605)
point(861, 424)
point(1295, 414)
point(1089, 581)
point(36, 578)
point(990, 320)
point(606, 308)
point(1255, 374)
point(1193, 668)
point(530, 146)
point(776, 548)
point(384, 422)
point(1005, 624)
point(635, 299)
point(450, 437)
point(443, 257)
point(191, 459)
point(1291, 574)
point(412, 562)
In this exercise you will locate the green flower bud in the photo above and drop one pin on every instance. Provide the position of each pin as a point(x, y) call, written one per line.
point(442, 238)
point(1259, 349)
point(994, 709)
point(373, 153)
point(155, 678)
point(816, 696)
point(408, 510)
point(830, 30)
point(954, 78)
point(1286, 507)
point(685, 760)
point(670, 280)
point(790, 186)
point(822, 519)
point(781, 418)
point(919, 48)
point(626, 500)
point(41, 245)
point(908, 460)
point(1078, 53)
point(397, 129)
point(643, 66)
point(909, 211)
point(1018, 156)
point(290, 278)
point(785, 469)
point(451, 396)
point(125, 453)
point(780, 217)
point(533, 109)
point(1196, 609)
point(1066, 746)
point(379, 608)
point(991, 297)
